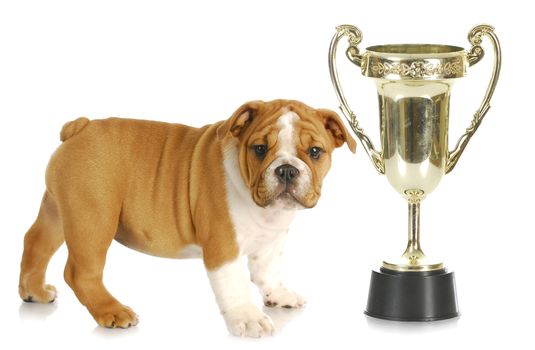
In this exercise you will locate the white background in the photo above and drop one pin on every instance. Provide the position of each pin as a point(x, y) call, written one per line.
point(195, 63)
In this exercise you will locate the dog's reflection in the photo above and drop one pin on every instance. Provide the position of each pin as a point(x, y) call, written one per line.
point(36, 311)
point(103, 332)
point(281, 317)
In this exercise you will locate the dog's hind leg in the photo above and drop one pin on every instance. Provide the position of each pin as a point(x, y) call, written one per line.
point(41, 242)
point(89, 232)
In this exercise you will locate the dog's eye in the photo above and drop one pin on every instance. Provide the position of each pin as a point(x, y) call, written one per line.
point(315, 152)
point(260, 151)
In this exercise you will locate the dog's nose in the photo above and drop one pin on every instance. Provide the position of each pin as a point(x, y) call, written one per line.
point(286, 173)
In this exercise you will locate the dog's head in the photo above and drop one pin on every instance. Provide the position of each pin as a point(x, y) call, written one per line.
point(283, 150)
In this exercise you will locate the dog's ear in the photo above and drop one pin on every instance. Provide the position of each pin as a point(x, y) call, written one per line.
point(335, 127)
point(240, 120)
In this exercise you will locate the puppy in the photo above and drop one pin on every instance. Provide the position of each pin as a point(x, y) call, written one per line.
point(217, 193)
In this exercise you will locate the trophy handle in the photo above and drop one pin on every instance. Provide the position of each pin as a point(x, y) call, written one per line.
point(354, 37)
point(475, 55)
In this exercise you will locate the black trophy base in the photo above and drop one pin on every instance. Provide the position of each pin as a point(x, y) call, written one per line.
point(412, 296)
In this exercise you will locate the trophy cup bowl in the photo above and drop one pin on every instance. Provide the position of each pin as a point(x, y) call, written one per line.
point(414, 84)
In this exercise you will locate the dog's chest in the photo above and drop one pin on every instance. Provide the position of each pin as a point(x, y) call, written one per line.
point(257, 227)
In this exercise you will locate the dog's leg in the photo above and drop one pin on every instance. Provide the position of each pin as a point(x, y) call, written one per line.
point(264, 265)
point(231, 287)
point(41, 241)
point(89, 232)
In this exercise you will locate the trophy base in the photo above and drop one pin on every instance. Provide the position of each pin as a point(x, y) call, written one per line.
point(412, 296)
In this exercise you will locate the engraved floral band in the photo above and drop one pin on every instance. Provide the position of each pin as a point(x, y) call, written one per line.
point(448, 62)
point(420, 69)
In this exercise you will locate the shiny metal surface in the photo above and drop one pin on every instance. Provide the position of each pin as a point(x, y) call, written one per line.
point(414, 84)
point(414, 133)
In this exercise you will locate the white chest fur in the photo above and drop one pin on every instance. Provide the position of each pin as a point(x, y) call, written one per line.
point(255, 226)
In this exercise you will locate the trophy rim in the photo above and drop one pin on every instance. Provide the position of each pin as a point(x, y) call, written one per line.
point(415, 62)
point(416, 50)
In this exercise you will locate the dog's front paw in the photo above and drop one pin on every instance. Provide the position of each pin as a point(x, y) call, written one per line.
point(283, 297)
point(248, 321)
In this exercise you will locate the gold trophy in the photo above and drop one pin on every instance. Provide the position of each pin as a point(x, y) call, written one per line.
point(413, 83)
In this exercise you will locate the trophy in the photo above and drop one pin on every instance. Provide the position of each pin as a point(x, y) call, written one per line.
point(413, 83)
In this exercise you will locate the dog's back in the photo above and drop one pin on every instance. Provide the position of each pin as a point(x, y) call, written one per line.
point(140, 168)
point(120, 179)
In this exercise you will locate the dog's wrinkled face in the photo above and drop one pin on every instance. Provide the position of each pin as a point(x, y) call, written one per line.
point(284, 150)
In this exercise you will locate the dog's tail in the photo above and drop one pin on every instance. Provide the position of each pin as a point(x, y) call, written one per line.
point(72, 128)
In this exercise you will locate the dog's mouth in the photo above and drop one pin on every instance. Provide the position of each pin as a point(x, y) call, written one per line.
point(286, 195)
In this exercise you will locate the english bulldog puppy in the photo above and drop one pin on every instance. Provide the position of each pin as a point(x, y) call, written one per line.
point(217, 193)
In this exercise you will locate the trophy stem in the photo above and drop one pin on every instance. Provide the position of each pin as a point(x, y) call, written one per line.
point(414, 251)
point(413, 259)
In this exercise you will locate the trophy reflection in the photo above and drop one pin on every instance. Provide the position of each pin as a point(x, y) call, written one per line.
point(414, 84)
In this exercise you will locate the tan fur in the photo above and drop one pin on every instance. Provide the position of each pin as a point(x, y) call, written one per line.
point(73, 128)
point(152, 186)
